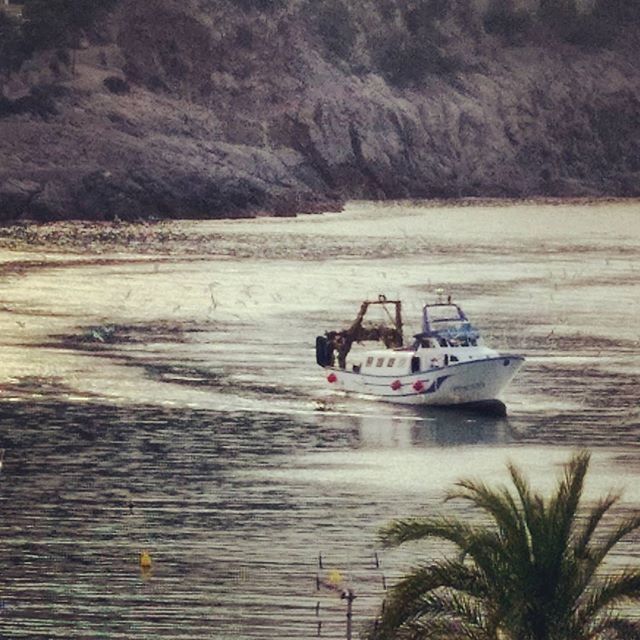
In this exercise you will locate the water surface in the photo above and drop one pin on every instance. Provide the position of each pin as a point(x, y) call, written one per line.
point(159, 390)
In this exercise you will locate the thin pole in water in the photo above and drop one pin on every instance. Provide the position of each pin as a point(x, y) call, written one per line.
point(349, 596)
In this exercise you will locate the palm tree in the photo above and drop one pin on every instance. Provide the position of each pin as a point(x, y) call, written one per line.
point(533, 570)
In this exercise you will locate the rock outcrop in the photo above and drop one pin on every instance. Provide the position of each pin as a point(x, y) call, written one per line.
point(221, 109)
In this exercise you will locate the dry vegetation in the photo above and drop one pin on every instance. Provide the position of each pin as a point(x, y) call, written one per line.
point(217, 108)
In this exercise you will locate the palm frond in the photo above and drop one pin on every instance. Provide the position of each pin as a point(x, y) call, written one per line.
point(552, 542)
point(413, 597)
point(454, 615)
point(478, 542)
point(598, 552)
point(532, 506)
point(595, 516)
point(613, 591)
point(499, 504)
point(511, 528)
point(451, 529)
point(615, 628)
point(582, 561)
point(564, 504)
point(438, 628)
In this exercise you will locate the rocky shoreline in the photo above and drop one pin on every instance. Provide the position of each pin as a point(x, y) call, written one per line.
point(155, 239)
point(237, 113)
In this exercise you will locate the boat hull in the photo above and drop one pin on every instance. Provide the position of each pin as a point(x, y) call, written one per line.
point(460, 383)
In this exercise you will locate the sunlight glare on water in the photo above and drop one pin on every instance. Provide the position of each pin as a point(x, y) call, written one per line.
point(159, 390)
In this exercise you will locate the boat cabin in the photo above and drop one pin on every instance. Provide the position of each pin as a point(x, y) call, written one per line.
point(386, 363)
point(444, 324)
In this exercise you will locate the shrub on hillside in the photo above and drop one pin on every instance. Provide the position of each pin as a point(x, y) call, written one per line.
point(590, 32)
point(407, 63)
point(387, 10)
point(419, 17)
point(117, 85)
point(334, 23)
point(13, 48)
point(59, 23)
point(618, 12)
point(557, 14)
point(503, 20)
point(244, 37)
point(40, 102)
point(587, 30)
point(415, 47)
point(259, 5)
point(46, 24)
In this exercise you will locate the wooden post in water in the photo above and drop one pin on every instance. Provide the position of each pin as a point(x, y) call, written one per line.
point(349, 596)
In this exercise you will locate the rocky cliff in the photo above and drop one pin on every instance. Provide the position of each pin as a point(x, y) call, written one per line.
point(216, 108)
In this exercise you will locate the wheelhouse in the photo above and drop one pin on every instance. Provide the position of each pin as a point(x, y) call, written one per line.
point(444, 324)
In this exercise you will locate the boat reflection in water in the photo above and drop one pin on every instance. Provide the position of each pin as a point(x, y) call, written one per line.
point(431, 426)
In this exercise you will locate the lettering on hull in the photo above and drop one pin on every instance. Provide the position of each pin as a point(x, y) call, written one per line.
point(469, 387)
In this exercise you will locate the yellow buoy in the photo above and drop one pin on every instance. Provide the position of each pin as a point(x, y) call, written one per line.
point(335, 577)
point(145, 560)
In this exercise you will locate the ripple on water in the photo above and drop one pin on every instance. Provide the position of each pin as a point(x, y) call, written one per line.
point(159, 391)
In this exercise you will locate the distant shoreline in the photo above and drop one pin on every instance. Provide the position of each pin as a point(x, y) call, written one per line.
point(503, 202)
point(95, 242)
point(431, 203)
point(23, 228)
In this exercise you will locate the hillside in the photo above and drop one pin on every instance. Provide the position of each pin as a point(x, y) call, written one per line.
point(198, 108)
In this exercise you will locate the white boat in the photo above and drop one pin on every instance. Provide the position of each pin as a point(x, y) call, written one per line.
point(446, 363)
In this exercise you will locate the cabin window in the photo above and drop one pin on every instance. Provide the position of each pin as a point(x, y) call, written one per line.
point(454, 359)
point(369, 361)
point(446, 359)
point(391, 362)
point(380, 362)
point(402, 362)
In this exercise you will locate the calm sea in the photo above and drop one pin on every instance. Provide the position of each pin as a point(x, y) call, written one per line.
point(158, 390)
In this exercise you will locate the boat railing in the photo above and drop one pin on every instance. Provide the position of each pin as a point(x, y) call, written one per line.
point(453, 314)
point(463, 334)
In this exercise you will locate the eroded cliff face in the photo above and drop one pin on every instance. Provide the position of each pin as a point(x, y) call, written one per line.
point(218, 109)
